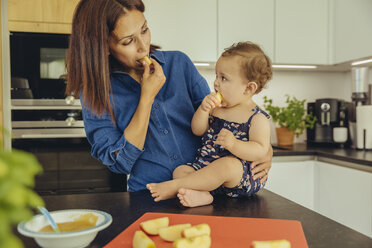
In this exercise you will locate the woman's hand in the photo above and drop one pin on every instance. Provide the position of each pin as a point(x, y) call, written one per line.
point(152, 80)
point(261, 168)
point(209, 102)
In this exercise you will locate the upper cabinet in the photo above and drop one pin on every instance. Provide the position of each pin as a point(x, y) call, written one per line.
point(301, 32)
point(189, 26)
point(246, 20)
point(352, 29)
point(41, 16)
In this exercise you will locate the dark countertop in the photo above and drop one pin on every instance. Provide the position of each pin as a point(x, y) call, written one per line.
point(345, 154)
point(125, 208)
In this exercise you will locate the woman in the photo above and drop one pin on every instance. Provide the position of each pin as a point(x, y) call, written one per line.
point(137, 119)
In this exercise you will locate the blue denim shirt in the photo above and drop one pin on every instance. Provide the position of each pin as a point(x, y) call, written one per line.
point(169, 140)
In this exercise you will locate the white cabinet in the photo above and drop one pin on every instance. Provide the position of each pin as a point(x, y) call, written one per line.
point(345, 195)
point(337, 192)
point(246, 20)
point(294, 181)
point(188, 26)
point(352, 29)
point(302, 31)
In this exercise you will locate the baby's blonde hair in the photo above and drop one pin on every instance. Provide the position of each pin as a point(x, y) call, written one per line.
point(255, 64)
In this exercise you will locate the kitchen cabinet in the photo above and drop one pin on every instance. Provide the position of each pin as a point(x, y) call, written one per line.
point(302, 32)
point(188, 26)
point(41, 16)
point(294, 181)
point(75, 171)
point(352, 29)
point(345, 195)
point(246, 20)
point(340, 193)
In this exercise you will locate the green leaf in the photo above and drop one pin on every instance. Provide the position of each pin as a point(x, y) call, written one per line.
point(293, 115)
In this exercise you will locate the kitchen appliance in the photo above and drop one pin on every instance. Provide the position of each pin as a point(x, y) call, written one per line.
point(361, 95)
point(39, 107)
point(364, 127)
point(330, 113)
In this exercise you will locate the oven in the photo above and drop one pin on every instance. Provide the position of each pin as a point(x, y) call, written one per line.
point(39, 107)
point(49, 124)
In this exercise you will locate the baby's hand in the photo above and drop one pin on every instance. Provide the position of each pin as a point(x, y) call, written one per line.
point(226, 139)
point(209, 102)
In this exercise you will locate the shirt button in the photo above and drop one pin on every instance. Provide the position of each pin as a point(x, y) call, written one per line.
point(157, 105)
point(165, 131)
point(175, 157)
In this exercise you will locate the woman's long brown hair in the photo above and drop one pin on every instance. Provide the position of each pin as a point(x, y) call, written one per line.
point(88, 63)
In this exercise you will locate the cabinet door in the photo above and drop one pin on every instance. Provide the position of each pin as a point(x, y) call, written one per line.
point(301, 32)
point(25, 11)
point(352, 29)
point(58, 11)
point(294, 181)
point(345, 195)
point(189, 26)
point(246, 20)
point(41, 16)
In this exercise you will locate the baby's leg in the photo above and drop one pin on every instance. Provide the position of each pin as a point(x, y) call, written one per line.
point(190, 197)
point(182, 170)
point(225, 171)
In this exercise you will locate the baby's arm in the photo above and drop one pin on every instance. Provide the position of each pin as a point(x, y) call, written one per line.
point(199, 123)
point(259, 140)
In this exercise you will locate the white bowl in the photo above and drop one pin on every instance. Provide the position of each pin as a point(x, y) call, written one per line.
point(75, 239)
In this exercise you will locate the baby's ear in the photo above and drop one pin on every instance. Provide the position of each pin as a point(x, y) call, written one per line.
point(251, 88)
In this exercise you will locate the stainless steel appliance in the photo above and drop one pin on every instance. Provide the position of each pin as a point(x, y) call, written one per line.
point(361, 96)
point(39, 107)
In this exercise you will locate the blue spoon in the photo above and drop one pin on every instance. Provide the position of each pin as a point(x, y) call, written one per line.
point(47, 215)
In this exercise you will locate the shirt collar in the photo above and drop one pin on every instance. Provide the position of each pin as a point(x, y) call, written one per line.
point(158, 56)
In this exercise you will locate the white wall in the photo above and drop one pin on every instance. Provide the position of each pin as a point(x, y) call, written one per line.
point(309, 85)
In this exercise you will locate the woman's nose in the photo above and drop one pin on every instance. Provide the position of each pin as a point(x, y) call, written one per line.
point(141, 45)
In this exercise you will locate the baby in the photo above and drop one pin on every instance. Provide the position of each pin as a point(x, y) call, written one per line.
point(235, 132)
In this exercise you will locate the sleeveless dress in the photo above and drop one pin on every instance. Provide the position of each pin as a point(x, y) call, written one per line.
point(210, 152)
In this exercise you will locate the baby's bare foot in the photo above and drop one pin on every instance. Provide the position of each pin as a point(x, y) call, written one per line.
point(162, 191)
point(194, 198)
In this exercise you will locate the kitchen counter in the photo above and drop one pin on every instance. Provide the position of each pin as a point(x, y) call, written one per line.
point(359, 157)
point(126, 208)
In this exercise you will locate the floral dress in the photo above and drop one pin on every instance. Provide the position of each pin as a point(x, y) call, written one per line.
point(210, 152)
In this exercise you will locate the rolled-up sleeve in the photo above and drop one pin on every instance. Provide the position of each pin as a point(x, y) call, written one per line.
point(109, 144)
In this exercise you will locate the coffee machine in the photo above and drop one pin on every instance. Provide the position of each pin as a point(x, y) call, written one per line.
point(331, 114)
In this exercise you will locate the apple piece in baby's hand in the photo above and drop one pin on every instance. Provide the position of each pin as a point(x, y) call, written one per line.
point(271, 244)
point(141, 240)
point(203, 241)
point(152, 226)
point(198, 230)
point(147, 60)
point(219, 97)
point(171, 233)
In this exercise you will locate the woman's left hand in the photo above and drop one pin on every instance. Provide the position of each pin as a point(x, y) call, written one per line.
point(261, 168)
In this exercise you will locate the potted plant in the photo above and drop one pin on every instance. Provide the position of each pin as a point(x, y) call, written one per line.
point(17, 198)
point(291, 119)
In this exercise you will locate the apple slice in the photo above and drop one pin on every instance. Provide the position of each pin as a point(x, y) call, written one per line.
point(152, 226)
point(198, 230)
point(147, 60)
point(141, 240)
point(171, 233)
point(219, 97)
point(271, 244)
point(203, 241)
